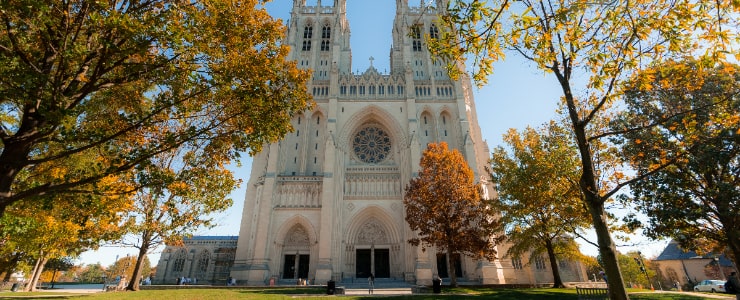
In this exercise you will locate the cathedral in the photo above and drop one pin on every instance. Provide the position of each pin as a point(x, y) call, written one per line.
point(326, 202)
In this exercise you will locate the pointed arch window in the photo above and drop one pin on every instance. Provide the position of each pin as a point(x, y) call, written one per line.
point(179, 263)
point(325, 38)
point(416, 37)
point(433, 32)
point(307, 35)
point(326, 32)
point(308, 31)
point(203, 262)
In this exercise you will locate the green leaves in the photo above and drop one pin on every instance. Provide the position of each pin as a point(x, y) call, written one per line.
point(693, 111)
point(539, 197)
point(127, 81)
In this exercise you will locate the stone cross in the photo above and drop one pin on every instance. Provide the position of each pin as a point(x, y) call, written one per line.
point(371, 61)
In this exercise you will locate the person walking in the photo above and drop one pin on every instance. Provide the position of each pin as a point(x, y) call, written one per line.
point(371, 283)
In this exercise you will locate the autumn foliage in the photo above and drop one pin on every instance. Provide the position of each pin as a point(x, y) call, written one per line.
point(690, 111)
point(539, 198)
point(123, 81)
point(590, 48)
point(445, 209)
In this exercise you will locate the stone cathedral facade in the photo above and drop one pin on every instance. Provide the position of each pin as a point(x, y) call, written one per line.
point(326, 202)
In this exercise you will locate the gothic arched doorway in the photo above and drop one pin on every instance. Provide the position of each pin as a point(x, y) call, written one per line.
point(372, 254)
point(296, 253)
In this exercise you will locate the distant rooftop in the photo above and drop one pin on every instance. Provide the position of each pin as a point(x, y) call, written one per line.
point(673, 251)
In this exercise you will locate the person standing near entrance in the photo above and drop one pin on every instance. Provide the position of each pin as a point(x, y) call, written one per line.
point(371, 283)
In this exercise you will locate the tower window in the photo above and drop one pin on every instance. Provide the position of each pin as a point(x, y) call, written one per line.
point(416, 37)
point(307, 35)
point(325, 37)
point(433, 32)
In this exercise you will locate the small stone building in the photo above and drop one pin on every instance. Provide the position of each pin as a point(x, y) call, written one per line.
point(688, 268)
point(207, 259)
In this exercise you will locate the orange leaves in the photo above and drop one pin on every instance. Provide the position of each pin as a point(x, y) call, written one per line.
point(443, 204)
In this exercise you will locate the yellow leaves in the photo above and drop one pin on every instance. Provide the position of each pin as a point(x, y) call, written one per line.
point(58, 172)
point(178, 186)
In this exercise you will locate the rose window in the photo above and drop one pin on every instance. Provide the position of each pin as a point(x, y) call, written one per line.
point(371, 144)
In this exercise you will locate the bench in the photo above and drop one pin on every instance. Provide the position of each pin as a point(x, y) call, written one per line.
point(592, 293)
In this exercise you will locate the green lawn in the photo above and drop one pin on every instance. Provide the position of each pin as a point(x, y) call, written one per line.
point(315, 294)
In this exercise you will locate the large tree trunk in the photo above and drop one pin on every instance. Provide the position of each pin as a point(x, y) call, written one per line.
point(53, 276)
point(36, 274)
point(557, 281)
point(14, 158)
point(133, 285)
point(450, 268)
point(592, 198)
point(733, 242)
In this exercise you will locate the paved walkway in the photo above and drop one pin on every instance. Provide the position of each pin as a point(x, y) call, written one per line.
point(704, 295)
point(392, 291)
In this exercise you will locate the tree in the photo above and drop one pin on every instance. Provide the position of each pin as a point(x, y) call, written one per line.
point(590, 48)
point(539, 199)
point(181, 189)
point(92, 273)
point(695, 201)
point(58, 264)
point(59, 228)
point(443, 206)
point(635, 273)
point(124, 267)
point(83, 77)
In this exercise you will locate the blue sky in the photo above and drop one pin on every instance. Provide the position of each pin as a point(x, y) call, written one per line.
point(517, 95)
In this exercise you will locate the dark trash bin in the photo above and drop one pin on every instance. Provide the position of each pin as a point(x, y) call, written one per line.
point(15, 286)
point(330, 287)
point(437, 286)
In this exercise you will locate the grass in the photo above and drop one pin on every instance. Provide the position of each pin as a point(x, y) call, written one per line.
point(319, 293)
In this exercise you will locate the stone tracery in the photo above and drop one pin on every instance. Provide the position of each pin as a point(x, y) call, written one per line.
point(371, 144)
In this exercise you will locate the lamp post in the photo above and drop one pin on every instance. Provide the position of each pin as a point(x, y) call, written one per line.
point(716, 260)
point(641, 264)
point(103, 277)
